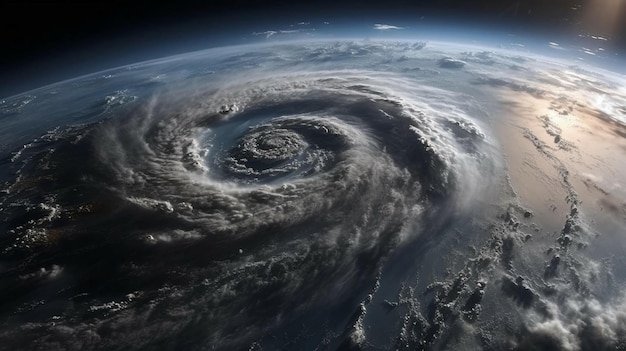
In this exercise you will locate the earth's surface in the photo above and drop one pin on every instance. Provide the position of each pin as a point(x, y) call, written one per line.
point(318, 195)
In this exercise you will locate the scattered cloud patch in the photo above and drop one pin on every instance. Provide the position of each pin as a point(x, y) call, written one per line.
point(267, 33)
point(554, 45)
point(379, 26)
point(587, 51)
point(594, 37)
point(270, 33)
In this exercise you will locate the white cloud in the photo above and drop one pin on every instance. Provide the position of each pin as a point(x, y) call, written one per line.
point(385, 26)
point(267, 33)
point(579, 323)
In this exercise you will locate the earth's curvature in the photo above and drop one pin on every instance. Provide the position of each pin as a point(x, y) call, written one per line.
point(317, 195)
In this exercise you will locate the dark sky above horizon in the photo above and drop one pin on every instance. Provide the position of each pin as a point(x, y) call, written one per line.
point(44, 42)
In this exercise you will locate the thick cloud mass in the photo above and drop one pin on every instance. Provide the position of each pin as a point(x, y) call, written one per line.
point(303, 195)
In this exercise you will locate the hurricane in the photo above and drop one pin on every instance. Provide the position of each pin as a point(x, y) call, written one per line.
point(253, 199)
